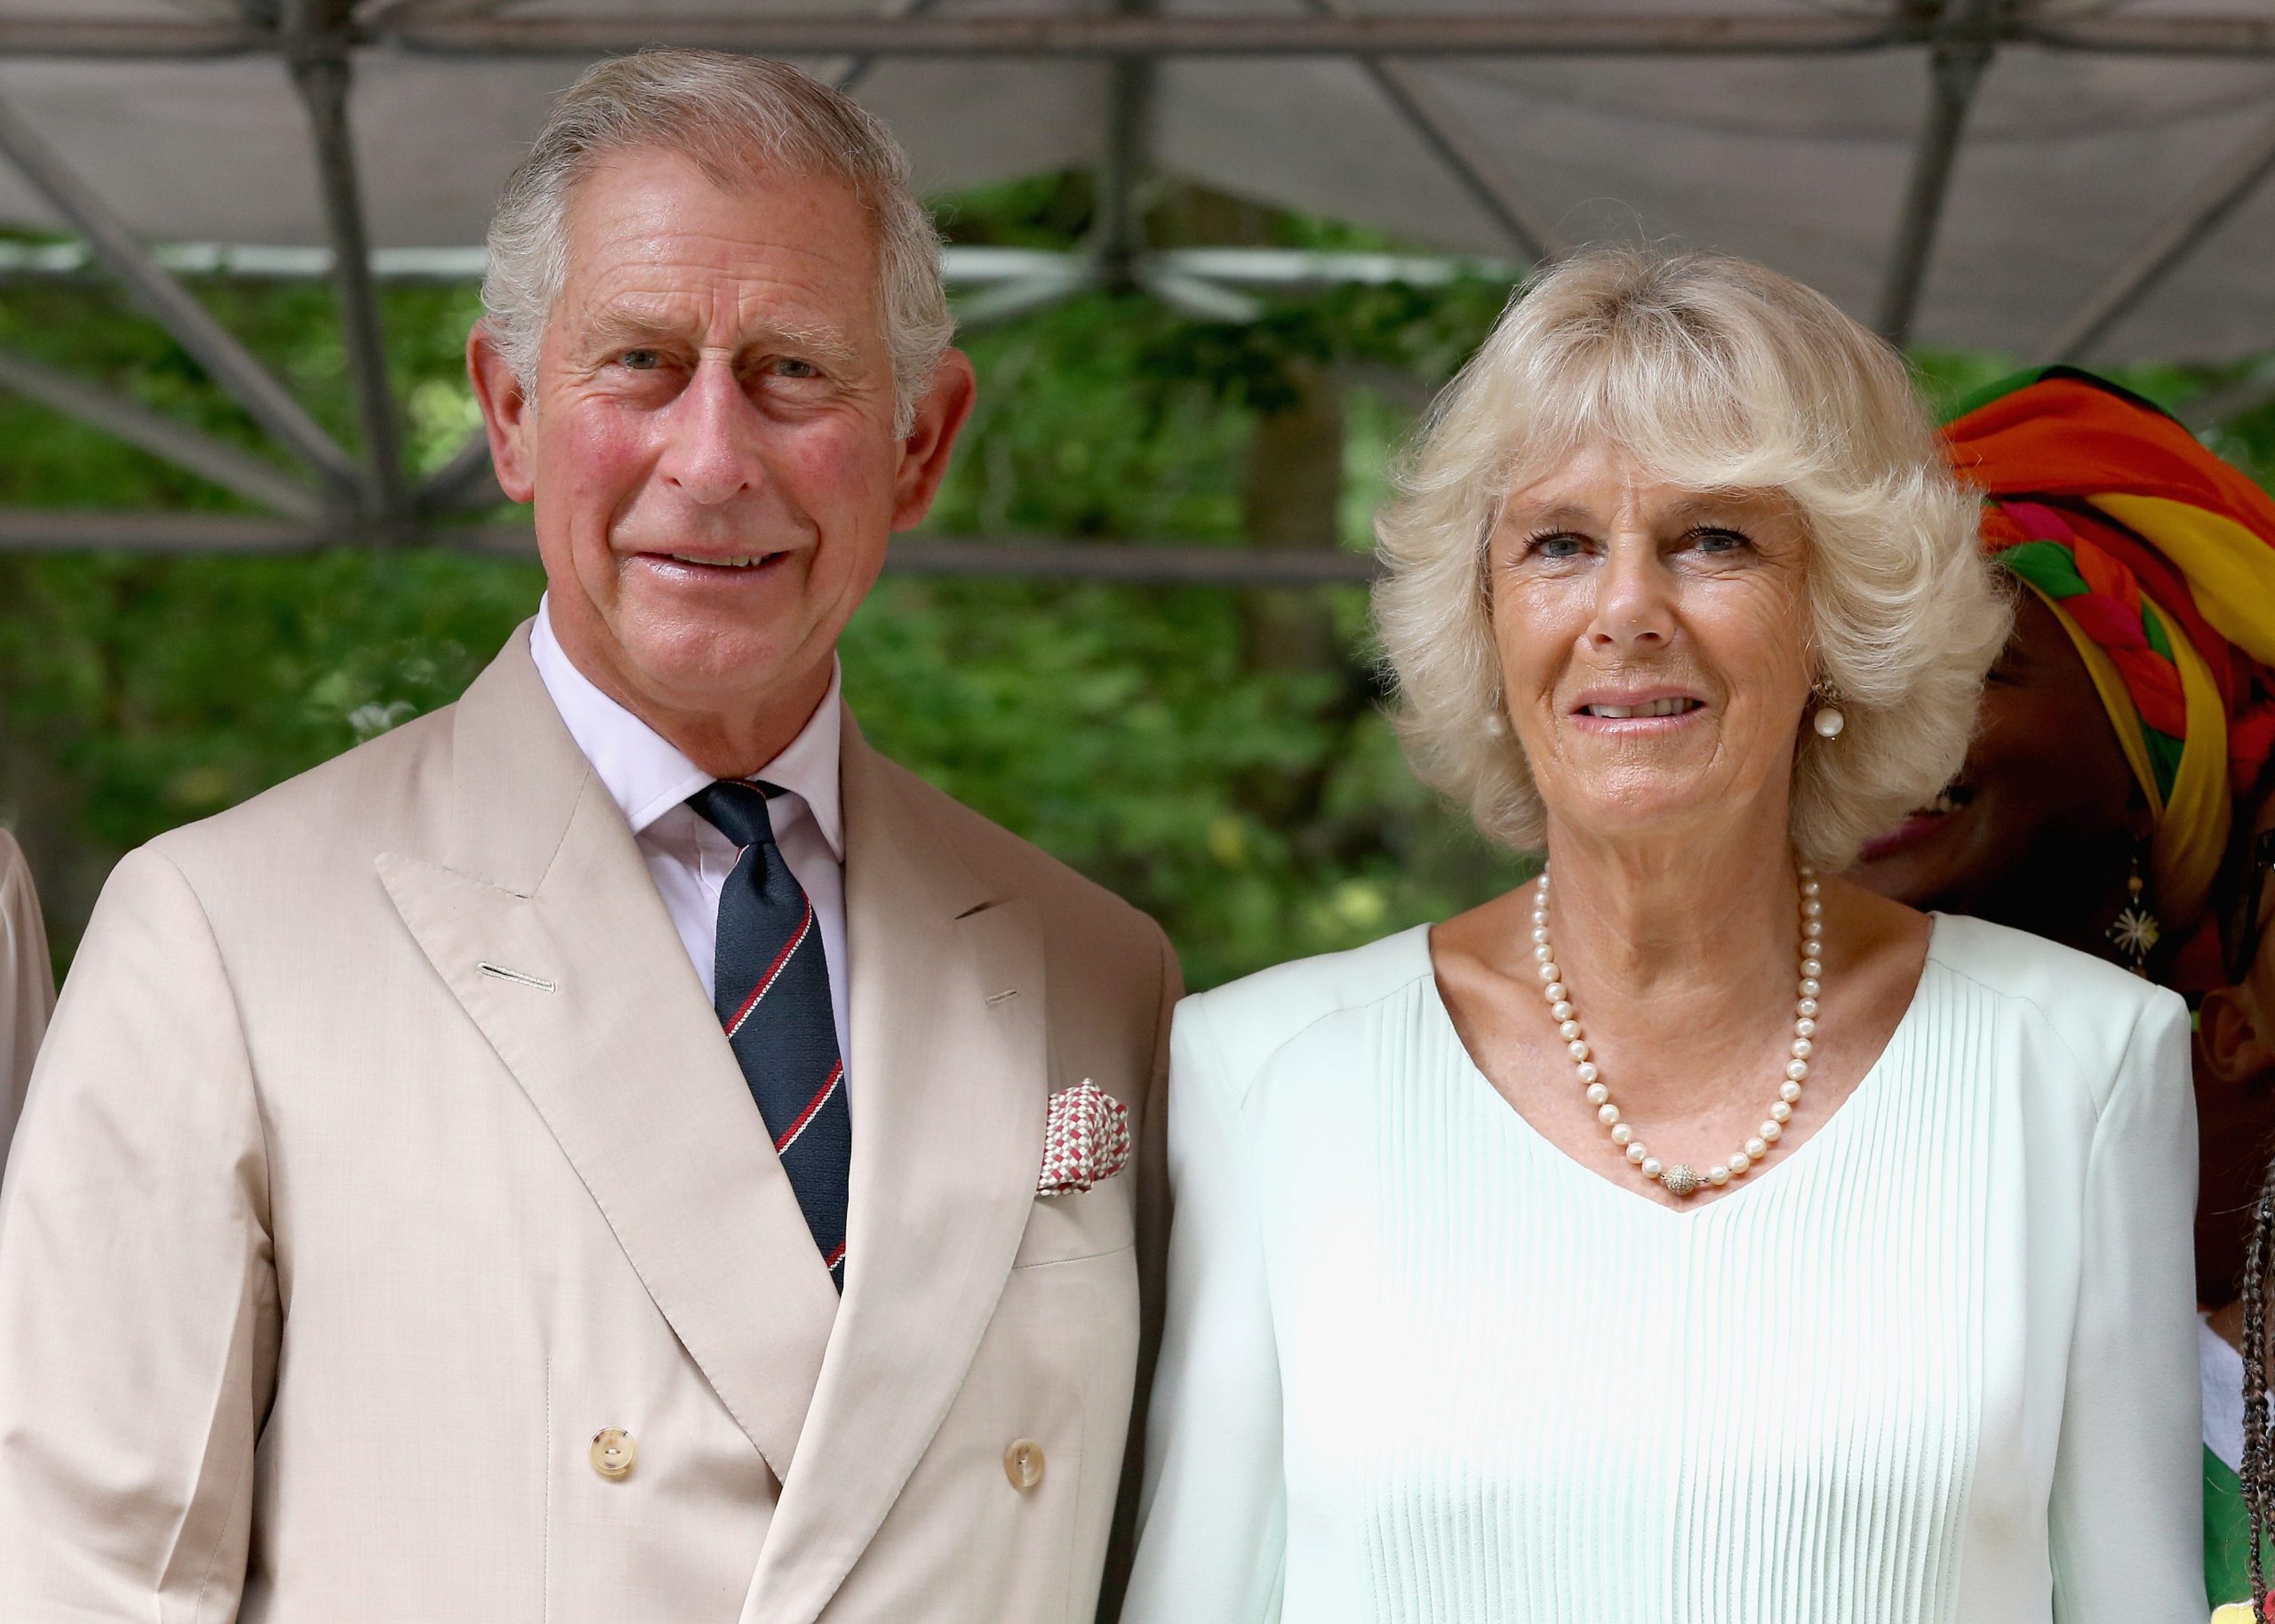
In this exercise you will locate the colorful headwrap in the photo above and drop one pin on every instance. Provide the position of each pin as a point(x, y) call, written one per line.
point(2159, 559)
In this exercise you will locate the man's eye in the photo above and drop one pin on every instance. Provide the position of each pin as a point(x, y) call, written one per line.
point(641, 361)
point(790, 366)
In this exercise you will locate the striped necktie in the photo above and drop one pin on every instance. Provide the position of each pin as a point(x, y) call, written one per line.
point(771, 986)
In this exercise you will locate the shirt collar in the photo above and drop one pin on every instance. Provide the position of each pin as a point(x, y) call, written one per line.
point(644, 773)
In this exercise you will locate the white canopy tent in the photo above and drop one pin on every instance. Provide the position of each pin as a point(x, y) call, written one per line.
point(2064, 178)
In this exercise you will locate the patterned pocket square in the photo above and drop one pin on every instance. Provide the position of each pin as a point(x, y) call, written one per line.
point(1085, 1142)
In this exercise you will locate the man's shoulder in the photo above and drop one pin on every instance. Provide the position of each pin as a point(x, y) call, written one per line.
point(382, 794)
point(1018, 868)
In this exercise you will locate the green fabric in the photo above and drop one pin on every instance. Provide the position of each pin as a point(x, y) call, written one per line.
point(2227, 1535)
point(2048, 566)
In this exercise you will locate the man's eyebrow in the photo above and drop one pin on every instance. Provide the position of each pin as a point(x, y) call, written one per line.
point(622, 327)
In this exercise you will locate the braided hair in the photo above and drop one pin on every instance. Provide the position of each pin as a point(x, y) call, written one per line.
point(2258, 1470)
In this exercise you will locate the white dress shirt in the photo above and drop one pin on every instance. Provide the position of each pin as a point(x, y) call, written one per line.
point(650, 781)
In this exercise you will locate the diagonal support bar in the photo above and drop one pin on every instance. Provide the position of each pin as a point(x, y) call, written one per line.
point(1962, 54)
point(2201, 214)
point(212, 459)
point(322, 81)
point(1456, 146)
point(850, 71)
point(192, 325)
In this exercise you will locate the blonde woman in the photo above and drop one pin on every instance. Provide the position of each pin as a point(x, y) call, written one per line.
point(1688, 1234)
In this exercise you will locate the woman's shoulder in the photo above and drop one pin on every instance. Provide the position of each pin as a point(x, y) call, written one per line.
point(2097, 1012)
point(1237, 1027)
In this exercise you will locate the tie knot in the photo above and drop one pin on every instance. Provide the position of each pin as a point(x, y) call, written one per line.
point(737, 809)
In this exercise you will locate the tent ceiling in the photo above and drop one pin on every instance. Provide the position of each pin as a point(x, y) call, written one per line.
point(2036, 176)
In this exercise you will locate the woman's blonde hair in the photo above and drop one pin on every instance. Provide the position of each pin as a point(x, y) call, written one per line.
point(1714, 374)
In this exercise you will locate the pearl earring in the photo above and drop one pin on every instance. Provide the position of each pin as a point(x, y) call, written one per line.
point(1495, 724)
point(1827, 718)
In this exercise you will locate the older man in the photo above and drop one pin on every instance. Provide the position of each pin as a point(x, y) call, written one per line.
point(618, 1149)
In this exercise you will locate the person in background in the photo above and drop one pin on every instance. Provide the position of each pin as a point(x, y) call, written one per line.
point(1688, 1234)
point(2122, 737)
point(27, 985)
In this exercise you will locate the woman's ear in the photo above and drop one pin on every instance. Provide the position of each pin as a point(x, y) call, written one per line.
point(2229, 1043)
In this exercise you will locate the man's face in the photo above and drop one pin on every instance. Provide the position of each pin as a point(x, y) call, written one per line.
point(710, 444)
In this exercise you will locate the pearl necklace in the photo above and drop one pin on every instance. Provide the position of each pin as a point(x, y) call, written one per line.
point(1680, 1179)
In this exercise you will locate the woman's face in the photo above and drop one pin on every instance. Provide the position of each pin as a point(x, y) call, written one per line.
point(1654, 646)
point(2040, 823)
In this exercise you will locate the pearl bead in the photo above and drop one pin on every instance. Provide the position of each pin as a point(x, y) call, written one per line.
point(1828, 721)
point(1555, 990)
point(1637, 1154)
point(1809, 887)
point(1811, 986)
point(1797, 1070)
point(1607, 1115)
point(1621, 1134)
point(1543, 952)
point(1807, 1006)
point(1756, 1149)
point(1788, 1092)
point(1588, 1072)
point(1650, 1167)
point(1550, 973)
point(1813, 929)
point(1780, 1112)
point(1811, 908)
point(1540, 933)
point(1772, 1131)
point(1540, 916)
point(1805, 1028)
point(1718, 1174)
point(1739, 1162)
point(1803, 1049)
point(1568, 1029)
point(1576, 1049)
point(1598, 1093)
point(1561, 1010)
point(1811, 966)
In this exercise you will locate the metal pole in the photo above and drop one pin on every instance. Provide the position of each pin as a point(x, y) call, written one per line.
point(1117, 234)
point(1963, 52)
point(320, 72)
point(1455, 146)
point(193, 327)
point(2167, 247)
point(212, 459)
point(1505, 33)
point(849, 73)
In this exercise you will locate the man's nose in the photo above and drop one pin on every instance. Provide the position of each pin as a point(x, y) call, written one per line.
point(1634, 599)
point(711, 452)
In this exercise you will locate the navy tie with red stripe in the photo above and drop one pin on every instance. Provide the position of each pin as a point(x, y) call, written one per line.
point(771, 986)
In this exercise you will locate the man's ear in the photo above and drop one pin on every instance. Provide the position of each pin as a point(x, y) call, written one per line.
point(940, 417)
point(2229, 1043)
point(506, 413)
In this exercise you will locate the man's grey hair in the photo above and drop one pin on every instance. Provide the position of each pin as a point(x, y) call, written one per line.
point(735, 118)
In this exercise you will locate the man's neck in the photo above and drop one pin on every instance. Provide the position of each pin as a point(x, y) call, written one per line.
point(726, 743)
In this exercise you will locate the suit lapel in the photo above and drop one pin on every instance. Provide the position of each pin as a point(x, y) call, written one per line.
point(610, 1033)
point(949, 1082)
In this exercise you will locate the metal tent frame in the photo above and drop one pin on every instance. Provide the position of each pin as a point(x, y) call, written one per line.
point(368, 497)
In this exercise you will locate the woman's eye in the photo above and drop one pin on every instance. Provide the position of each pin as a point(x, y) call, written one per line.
point(1553, 546)
point(1718, 541)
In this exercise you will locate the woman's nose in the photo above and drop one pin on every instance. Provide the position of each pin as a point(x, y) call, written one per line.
point(1634, 599)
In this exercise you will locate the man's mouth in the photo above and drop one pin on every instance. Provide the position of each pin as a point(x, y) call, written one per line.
point(1676, 706)
point(735, 562)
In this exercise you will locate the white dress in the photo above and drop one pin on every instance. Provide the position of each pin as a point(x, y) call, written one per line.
point(1938, 1363)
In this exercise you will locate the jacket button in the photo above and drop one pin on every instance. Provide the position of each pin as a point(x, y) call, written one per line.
point(613, 1451)
point(1023, 1464)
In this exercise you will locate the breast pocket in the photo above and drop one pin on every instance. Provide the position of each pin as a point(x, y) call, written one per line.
point(1081, 1224)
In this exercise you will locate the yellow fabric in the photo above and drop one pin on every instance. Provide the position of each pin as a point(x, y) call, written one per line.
point(2124, 717)
point(2230, 570)
point(2192, 832)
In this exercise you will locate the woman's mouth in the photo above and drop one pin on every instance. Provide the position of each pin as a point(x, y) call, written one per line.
point(1676, 705)
point(1919, 826)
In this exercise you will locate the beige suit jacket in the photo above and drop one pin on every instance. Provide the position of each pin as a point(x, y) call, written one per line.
point(386, 1150)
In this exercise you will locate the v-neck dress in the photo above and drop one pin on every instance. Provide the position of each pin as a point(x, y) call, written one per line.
point(1935, 1363)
